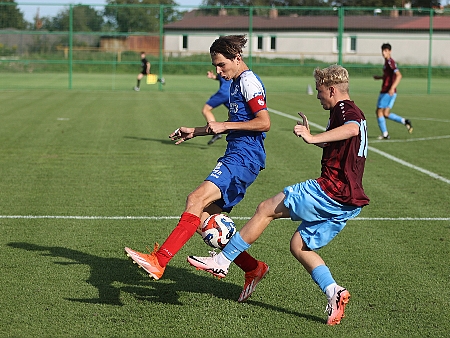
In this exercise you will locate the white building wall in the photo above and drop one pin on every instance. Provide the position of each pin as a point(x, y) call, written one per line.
point(407, 49)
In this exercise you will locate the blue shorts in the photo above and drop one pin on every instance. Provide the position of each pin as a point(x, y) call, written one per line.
point(322, 217)
point(233, 181)
point(386, 101)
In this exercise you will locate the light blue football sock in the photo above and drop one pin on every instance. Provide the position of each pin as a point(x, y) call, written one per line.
point(322, 276)
point(382, 125)
point(396, 118)
point(235, 246)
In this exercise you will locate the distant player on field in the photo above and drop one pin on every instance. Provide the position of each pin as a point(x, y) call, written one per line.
point(145, 64)
point(236, 170)
point(222, 96)
point(391, 78)
point(323, 205)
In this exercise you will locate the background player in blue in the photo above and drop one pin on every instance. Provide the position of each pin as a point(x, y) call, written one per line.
point(323, 205)
point(236, 170)
point(222, 96)
point(391, 79)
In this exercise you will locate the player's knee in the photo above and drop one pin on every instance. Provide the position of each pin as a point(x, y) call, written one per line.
point(262, 209)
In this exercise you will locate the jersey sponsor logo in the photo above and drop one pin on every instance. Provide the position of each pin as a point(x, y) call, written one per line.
point(216, 171)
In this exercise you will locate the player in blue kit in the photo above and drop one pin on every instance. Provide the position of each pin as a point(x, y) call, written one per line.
point(236, 170)
point(222, 96)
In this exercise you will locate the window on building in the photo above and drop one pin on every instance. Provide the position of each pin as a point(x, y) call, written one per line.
point(353, 44)
point(185, 42)
point(335, 45)
point(260, 42)
point(273, 43)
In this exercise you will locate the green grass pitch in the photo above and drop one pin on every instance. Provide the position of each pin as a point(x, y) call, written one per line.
point(85, 172)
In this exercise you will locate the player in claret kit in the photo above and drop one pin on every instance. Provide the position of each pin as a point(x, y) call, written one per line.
point(236, 170)
point(391, 79)
point(322, 205)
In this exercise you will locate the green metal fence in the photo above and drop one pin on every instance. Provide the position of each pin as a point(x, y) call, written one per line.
point(65, 44)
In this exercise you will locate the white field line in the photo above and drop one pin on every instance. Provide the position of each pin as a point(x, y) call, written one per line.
point(379, 152)
point(161, 218)
point(430, 119)
point(432, 138)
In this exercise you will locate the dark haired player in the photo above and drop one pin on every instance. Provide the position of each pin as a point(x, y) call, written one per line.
point(145, 64)
point(391, 78)
point(323, 205)
point(236, 170)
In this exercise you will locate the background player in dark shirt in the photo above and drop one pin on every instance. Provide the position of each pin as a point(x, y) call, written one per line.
point(145, 64)
point(391, 79)
point(322, 205)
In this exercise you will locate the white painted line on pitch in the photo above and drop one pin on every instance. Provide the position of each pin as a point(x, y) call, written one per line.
point(161, 218)
point(379, 152)
point(412, 139)
point(430, 119)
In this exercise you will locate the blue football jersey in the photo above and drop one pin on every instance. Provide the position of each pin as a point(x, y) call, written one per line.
point(247, 98)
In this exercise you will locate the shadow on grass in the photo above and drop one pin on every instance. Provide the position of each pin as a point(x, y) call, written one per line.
point(289, 312)
point(105, 273)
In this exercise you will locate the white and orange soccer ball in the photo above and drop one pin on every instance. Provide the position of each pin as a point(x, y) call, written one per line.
point(217, 230)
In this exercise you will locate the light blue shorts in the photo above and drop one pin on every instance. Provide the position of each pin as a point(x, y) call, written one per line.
point(386, 101)
point(322, 217)
point(233, 181)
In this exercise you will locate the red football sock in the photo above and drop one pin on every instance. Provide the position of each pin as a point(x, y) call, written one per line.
point(184, 230)
point(246, 262)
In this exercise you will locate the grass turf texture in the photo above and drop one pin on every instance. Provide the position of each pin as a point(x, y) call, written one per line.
point(103, 153)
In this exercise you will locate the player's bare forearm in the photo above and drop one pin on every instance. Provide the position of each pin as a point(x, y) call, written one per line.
point(261, 122)
point(207, 113)
point(398, 77)
point(343, 132)
point(184, 133)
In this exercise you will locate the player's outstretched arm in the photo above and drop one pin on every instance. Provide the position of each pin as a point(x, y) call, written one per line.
point(261, 122)
point(184, 133)
point(343, 132)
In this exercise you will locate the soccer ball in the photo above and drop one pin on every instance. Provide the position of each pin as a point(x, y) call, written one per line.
point(217, 230)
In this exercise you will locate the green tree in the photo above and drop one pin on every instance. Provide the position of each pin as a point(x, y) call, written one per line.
point(387, 3)
point(241, 6)
point(277, 3)
point(138, 18)
point(11, 16)
point(425, 3)
point(85, 19)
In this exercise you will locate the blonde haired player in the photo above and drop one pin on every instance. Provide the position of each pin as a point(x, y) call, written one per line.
point(322, 205)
